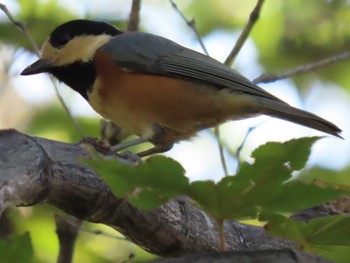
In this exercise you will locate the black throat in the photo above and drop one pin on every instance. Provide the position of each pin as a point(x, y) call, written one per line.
point(80, 76)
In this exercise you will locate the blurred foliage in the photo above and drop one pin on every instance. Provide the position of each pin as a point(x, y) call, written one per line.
point(54, 123)
point(18, 249)
point(222, 14)
point(297, 32)
point(104, 247)
point(289, 33)
point(40, 17)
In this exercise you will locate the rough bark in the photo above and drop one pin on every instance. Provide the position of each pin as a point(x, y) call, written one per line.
point(36, 170)
point(261, 256)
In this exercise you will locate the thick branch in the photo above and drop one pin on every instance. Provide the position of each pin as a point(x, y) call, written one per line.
point(35, 170)
point(270, 256)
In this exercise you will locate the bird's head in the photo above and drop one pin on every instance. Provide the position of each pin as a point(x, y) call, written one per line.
point(73, 41)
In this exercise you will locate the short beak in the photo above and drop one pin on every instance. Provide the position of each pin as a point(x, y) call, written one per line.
point(39, 66)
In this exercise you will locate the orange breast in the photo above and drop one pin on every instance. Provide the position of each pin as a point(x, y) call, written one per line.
point(139, 103)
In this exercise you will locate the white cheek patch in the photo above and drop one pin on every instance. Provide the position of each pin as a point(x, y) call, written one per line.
point(82, 48)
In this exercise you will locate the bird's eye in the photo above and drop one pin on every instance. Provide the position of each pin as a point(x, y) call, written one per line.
point(63, 39)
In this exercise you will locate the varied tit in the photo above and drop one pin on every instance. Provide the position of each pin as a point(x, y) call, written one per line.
point(154, 88)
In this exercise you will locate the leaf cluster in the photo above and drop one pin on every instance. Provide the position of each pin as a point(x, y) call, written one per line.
point(264, 190)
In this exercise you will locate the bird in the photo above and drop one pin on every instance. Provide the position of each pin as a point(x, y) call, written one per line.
point(154, 88)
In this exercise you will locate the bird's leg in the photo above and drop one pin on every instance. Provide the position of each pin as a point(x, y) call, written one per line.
point(121, 146)
point(131, 156)
point(160, 146)
point(155, 149)
point(160, 141)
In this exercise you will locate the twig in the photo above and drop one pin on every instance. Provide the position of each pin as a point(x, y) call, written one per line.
point(220, 224)
point(254, 15)
point(134, 17)
point(239, 149)
point(192, 25)
point(35, 48)
point(67, 233)
point(221, 150)
point(265, 78)
point(65, 107)
point(21, 27)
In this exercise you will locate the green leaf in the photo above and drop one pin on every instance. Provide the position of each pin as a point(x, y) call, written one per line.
point(328, 237)
point(147, 185)
point(295, 152)
point(281, 226)
point(337, 254)
point(334, 230)
point(263, 185)
point(18, 249)
point(48, 123)
point(338, 179)
point(208, 196)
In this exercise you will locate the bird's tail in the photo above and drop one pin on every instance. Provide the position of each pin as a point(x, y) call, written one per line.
point(282, 110)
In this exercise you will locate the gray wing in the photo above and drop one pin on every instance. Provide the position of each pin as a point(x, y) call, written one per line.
point(141, 52)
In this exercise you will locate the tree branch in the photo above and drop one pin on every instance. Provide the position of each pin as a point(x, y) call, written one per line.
point(134, 17)
point(36, 170)
point(270, 256)
point(254, 16)
point(21, 27)
point(266, 78)
point(67, 232)
point(191, 24)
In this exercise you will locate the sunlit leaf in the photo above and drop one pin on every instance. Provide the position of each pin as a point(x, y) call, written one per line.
point(262, 185)
point(147, 185)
